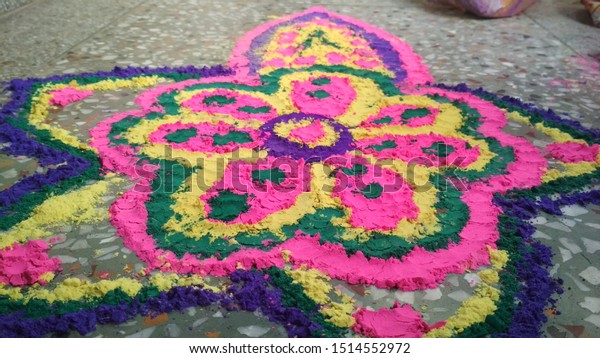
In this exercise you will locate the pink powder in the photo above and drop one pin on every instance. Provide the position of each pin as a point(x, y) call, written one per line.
point(340, 96)
point(588, 64)
point(365, 52)
point(573, 152)
point(310, 133)
point(529, 165)
point(401, 321)
point(197, 104)
point(148, 100)
point(203, 141)
point(288, 37)
point(335, 58)
point(368, 64)
point(121, 159)
point(276, 62)
point(417, 72)
point(63, 97)
point(22, 265)
point(395, 112)
point(417, 149)
point(129, 216)
point(419, 269)
point(384, 212)
point(263, 198)
point(287, 51)
point(305, 60)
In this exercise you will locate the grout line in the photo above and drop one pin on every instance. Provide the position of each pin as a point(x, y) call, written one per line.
point(17, 9)
point(553, 35)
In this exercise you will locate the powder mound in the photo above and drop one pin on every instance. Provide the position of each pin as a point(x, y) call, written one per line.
point(399, 321)
point(68, 95)
point(26, 264)
point(572, 152)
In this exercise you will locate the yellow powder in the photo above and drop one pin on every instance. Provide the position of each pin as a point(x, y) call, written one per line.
point(41, 104)
point(318, 49)
point(14, 293)
point(340, 314)
point(314, 283)
point(569, 170)
point(473, 310)
point(48, 276)
point(285, 255)
point(165, 282)
point(478, 307)
point(498, 258)
point(79, 206)
point(136, 83)
point(316, 286)
point(285, 129)
point(364, 106)
point(73, 289)
point(489, 276)
point(554, 133)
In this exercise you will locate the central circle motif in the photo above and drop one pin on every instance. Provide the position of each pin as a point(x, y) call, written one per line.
point(305, 136)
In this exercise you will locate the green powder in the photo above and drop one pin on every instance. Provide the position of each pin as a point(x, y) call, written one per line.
point(227, 205)
point(231, 137)
point(181, 135)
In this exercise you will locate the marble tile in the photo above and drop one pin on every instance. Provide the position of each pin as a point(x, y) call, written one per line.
point(592, 304)
point(11, 5)
point(591, 274)
point(33, 36)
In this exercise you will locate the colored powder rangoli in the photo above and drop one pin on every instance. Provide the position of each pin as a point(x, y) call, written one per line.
point(322, 164)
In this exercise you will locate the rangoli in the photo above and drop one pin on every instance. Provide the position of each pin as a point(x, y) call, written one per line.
point(324, 152)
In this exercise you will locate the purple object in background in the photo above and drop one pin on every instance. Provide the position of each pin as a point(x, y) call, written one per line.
point(593, 7)
point(492, 8)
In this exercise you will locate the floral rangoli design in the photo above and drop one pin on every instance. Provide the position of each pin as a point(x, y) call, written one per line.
point(323, 153)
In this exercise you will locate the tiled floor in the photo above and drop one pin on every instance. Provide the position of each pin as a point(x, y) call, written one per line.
point(550, 56)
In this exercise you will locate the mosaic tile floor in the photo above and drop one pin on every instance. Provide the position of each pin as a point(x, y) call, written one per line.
point(548, 56)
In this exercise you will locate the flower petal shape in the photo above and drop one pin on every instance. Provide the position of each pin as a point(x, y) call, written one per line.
point(320, 37)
